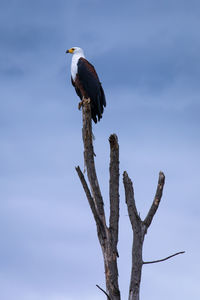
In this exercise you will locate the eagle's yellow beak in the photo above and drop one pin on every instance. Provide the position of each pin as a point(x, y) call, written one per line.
point(70, 50)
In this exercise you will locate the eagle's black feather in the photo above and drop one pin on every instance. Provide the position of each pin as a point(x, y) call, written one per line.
point(87, 85)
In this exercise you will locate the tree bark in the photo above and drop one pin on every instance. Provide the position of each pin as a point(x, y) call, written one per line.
point(108, 236)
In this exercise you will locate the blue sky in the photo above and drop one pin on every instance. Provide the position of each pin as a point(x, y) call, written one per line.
point(147, 56)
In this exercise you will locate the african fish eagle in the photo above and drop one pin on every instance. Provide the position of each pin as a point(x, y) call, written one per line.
point(86, 82)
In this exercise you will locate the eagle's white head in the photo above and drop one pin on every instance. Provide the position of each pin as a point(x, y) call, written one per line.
point(77, 53)
point(76, 50)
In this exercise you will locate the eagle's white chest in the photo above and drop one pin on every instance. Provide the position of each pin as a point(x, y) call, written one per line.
point(74, 64)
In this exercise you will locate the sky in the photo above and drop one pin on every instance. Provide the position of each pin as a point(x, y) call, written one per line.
point(147, 56)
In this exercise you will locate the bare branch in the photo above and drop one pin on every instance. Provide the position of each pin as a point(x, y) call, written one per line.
point(86, 189)
point(114, 190)
point(161, 181)
point(103, 291)
point(163, 259)
point(130, 200)
point(100, 225)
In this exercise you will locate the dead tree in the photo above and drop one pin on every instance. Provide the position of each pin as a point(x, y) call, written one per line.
point(108, 234)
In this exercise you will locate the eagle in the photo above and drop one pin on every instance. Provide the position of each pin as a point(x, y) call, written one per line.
point(86, 83)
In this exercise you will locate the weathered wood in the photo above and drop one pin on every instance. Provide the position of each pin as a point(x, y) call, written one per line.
point(156, 201)
point(138, 239)
point(108, 236)
point(89, 159)
point(130, 201)
point(139, 230)
point(100, 226)
point(114, 190)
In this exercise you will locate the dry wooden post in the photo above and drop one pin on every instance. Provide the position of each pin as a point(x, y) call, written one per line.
point(139, 231)
point(108, 235)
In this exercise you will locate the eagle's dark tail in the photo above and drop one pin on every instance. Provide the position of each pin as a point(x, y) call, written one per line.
point(101, 103)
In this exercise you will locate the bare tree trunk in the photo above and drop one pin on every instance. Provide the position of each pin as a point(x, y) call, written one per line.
point(139, 230)
point(108, 235)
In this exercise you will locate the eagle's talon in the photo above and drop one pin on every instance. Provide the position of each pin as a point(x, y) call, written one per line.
point(86, 100)
point(80, 104)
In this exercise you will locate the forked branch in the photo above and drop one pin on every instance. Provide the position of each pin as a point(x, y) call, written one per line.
point(139, 231)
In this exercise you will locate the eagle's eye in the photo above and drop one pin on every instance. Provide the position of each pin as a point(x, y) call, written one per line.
point(73, 49)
